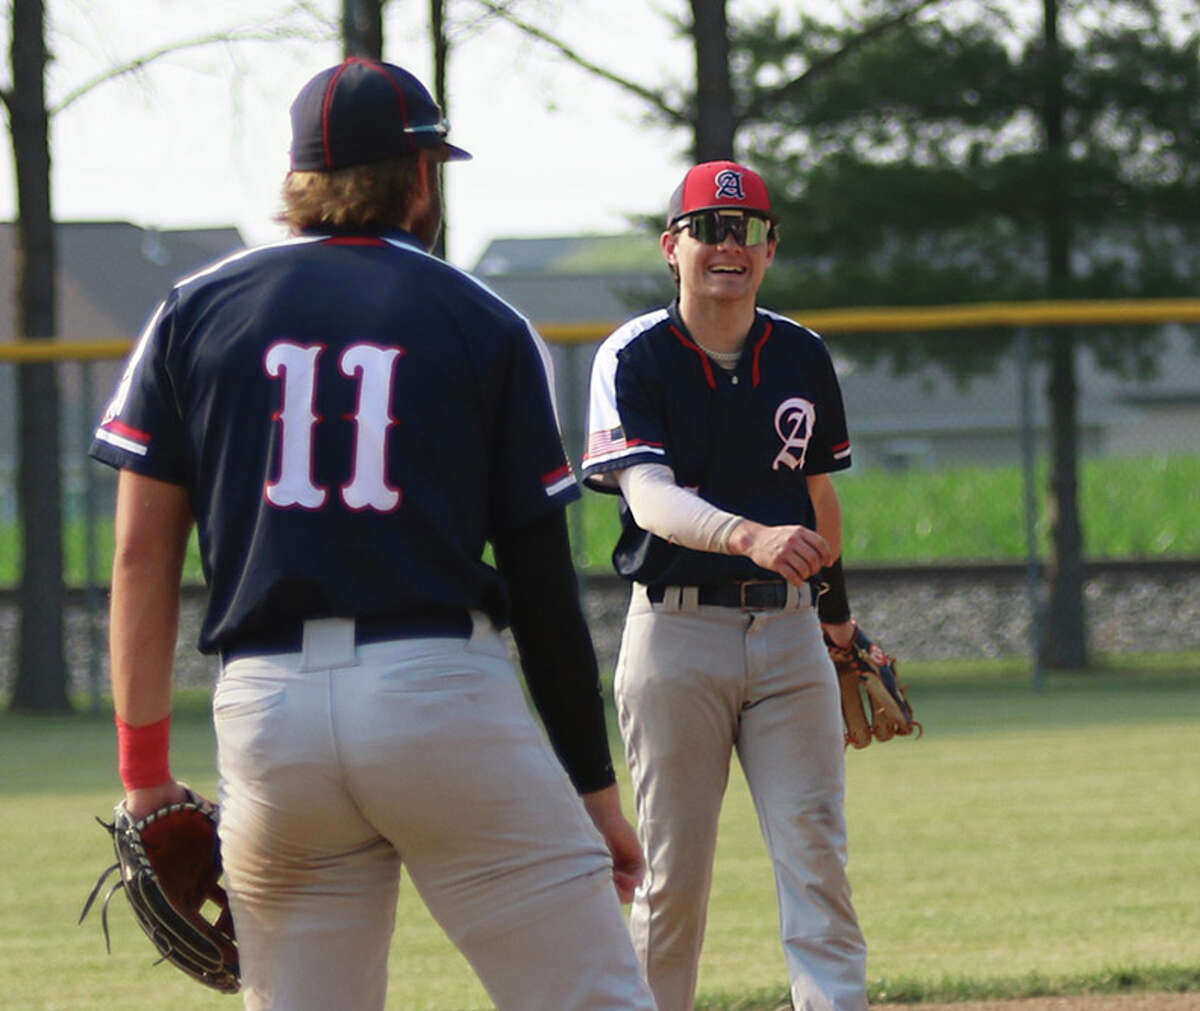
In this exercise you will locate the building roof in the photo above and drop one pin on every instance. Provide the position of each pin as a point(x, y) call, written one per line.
point(577, 278)
point(111, 274)
point(581, 298)
point(627, 252)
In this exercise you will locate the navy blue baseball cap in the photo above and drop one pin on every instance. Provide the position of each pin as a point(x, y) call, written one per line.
point(361, 112)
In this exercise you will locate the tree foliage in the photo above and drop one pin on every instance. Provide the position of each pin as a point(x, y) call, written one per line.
point(915, 171)
point(964, 155)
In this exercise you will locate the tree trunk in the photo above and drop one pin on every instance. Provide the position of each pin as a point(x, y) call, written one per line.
point(362, 28)
point(41, 675)
point(441, 59)
point(1064, 635)
point(714, 118)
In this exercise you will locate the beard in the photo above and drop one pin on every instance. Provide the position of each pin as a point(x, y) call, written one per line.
point(428, 222)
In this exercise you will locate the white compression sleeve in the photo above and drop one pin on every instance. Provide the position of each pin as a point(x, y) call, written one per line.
point(673, 513)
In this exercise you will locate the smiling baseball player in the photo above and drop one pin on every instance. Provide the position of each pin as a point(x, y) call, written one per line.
point(719, 424)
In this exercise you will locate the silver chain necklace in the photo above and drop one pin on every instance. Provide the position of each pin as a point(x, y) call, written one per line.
point(724, 358)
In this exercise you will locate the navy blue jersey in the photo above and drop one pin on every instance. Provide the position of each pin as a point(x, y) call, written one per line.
point(353, 420)
point(743, 441)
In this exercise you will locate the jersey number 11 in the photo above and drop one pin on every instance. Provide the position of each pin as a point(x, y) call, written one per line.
point(373, 367)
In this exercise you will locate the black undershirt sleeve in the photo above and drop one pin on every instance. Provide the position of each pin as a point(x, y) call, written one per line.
point(555, 646)
point(833, 606)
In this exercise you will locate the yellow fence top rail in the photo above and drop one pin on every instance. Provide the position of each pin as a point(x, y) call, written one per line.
point(54, 350)
point(949, 317)
point(876, 319)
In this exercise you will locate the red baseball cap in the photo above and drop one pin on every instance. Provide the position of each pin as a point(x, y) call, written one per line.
point(713, 185)
point(361, 112)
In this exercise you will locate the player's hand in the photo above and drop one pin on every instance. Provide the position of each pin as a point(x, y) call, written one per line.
point(793, 551)
point(629, 863)
point(142, 801)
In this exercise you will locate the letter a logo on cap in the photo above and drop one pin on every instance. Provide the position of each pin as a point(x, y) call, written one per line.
point(716, 185)
point(729, 185)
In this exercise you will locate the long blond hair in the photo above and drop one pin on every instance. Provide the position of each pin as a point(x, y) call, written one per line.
point(372, 196)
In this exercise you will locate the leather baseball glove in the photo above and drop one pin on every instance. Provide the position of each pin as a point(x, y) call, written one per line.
point(864, 669)
point(170, 864)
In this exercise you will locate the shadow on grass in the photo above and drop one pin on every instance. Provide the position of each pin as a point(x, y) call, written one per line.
point(1164, 979)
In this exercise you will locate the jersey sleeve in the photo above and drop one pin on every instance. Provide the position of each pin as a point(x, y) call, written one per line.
point(624, 428)
point(831, 447)
point(142, 429)
point(532, 474)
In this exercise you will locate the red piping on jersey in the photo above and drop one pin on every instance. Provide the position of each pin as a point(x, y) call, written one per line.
point(692, 345)
point(556, 475)
point(353, 240)
point(756, 374)
point(120, 428)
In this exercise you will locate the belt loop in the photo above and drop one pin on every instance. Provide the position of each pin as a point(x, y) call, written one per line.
point(672, 598)
point(328, 642)
point(689, 598)
point(797, 596)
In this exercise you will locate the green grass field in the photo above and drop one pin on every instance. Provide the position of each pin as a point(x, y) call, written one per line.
point(1029, 843)
point(1130, 508)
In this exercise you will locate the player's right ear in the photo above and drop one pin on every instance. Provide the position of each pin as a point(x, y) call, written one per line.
point(667, 243)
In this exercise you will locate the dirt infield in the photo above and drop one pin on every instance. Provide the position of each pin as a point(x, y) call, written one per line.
point(1117, 1002)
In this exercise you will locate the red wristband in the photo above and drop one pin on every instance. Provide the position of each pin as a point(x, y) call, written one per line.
point(142, 753)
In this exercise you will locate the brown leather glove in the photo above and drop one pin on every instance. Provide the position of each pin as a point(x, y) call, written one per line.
point(865, 670)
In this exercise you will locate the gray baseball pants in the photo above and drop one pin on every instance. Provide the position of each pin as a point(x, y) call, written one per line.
point(692, 684)
point(342, 763)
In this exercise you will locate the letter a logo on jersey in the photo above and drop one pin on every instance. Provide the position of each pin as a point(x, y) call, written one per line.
point(729, 185)
point(794, 420)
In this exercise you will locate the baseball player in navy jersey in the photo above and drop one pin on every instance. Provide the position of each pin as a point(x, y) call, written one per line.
point(348, 420)
point(719, 424)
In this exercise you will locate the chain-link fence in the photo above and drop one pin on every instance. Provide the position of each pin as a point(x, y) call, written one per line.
point(923, 419)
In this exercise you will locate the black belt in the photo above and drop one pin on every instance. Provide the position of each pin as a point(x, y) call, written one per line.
point(748, 595)
point(445, 623)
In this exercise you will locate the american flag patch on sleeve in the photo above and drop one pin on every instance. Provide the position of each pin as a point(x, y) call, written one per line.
point(610, 440)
